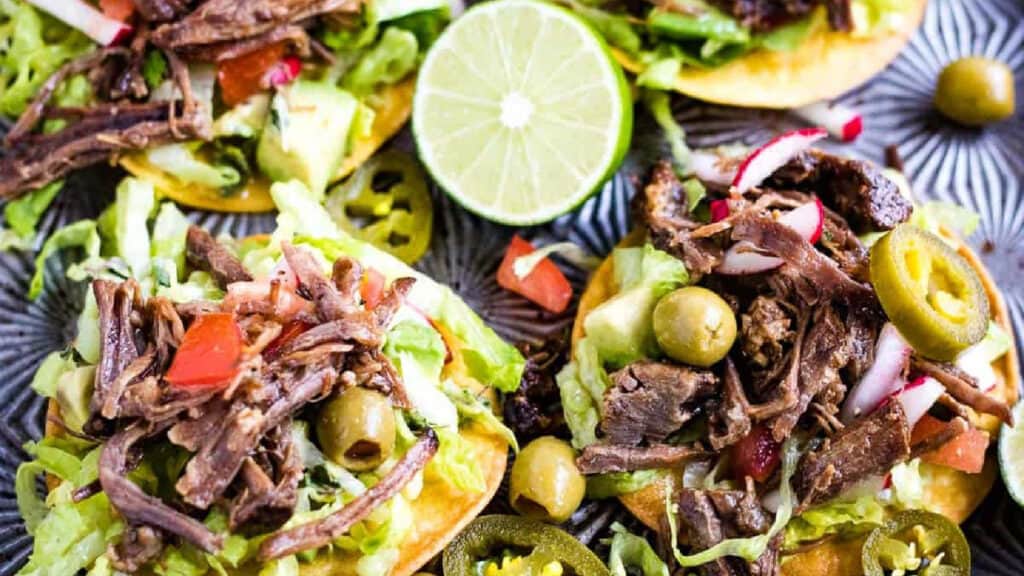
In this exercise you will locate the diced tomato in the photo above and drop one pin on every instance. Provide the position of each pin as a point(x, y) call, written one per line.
point(209, 353)
point(288, 333)
point(118, 9)
point(243, 76)
point(757, 455)
point(545, 285)
point(371, 288)
point(966, 452)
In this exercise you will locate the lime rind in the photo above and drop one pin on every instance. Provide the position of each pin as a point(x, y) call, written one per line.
point(1011, 455)
point(569, 146)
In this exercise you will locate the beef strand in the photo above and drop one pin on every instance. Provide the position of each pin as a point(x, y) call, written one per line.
point(962, 387)
point(603, 458)
point(205, 253)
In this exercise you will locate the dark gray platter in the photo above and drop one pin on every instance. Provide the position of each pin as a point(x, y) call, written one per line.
point(981, 169)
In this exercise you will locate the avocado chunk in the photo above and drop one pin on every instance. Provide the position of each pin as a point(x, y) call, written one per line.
point(306, 134)
point(621, 328)
point(74, 391)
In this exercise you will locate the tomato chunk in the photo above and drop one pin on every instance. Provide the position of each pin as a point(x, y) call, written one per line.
point(545, 285)
point(118, 9)
point(244, 76)
point(209, 353)
point(371, 288)
point(757, 455)
point(966, 452)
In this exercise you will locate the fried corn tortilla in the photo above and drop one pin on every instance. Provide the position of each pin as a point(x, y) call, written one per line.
point(440, 512)
point(393, 107)
point(950, 492)
point(825, 65)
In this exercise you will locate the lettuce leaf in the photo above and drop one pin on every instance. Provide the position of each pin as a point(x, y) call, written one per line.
point(418, 353)
point(476, 409)
point(658, 103)
point(22, 215)
point(81, 234)
point(846, 518)
point(56, 363)
point(931, 216)
point(169, 233)
point(180, 160)
point(629, 551)
point(393, 57)
point(578, 407)
point(136, 200)
point(456, 463)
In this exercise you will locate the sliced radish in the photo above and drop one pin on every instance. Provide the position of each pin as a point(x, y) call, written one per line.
point(974, 361)
point(919, 396)
point(840, 121)
point(285, 71)
point(883, 378)
point(713, 168)
point(80, 15)
point(743, 257)
point(719, 209)
point(768, 158)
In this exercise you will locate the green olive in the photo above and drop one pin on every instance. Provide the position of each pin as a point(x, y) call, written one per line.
point(695, 326)
point(545, 483)
point(357, 429)
point(975, 91)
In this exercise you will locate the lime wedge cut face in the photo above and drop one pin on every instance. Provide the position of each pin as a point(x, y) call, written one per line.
point(1011, 455)
point(520, 111)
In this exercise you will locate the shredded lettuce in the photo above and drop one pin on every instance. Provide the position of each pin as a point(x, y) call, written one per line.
point(169, 232)
point(477, 409)
point(789, 37)
point(840, 517)
point(907, 490)
point(418, 353)
point(629, 551)
point(81, 234)
point(592, 374)
point(136, 200)
point(22, 215)
point(524, 265)
point(601, 486)
point(392, 59)
point(154, 68)
point(287, 566)
point(388, 10)
point(87, 340)
point(456, 462)
point(659, 104)
point(44, 382)
point(245, 120)
point(871, 17)
point(931, 216)
point(616, 29)
point(751, 548)
point(378, 538)
point(580, 411)
point(35, 45)
point(180, 160)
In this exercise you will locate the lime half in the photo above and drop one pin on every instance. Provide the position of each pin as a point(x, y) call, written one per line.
point(520, 111)
point(1011, 455)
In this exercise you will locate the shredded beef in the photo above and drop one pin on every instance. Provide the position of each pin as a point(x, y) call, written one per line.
point(786, 243)
point(863, 333)
point(138, 546)
point(840, 15)
point(118, 349)
point(205, 253)
point(264, 504)
point(765, 331)
point(535, 408)
point(870, 446)
point(219, 21)
point(161, 10)
point(329, 303)
point(962, 387)
point(295, 37)
point(946, 434)
point(730, 422)
point(650, 400)
point(663, 207)
point(137, 507)
point(321, 532)
point(785, 395)
point(708, 517)
point(825, 352)
point(855, 189)
point(604, 458)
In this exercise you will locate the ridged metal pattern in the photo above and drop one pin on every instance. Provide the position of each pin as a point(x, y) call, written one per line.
point(979, 169)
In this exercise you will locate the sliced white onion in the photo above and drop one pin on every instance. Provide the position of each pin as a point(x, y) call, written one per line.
point(776, 153)
point(743, 258)
point(974, 361)
point(883, 377)
point(713, 168)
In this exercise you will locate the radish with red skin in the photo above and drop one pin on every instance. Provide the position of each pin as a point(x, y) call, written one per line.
point(285, 71)
point(101, 28)
point(840, 121)
point(743, 257)
point(756, 455)
point(764, 161)
point(918, 397)
point(719, 210)
point(883, 378)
